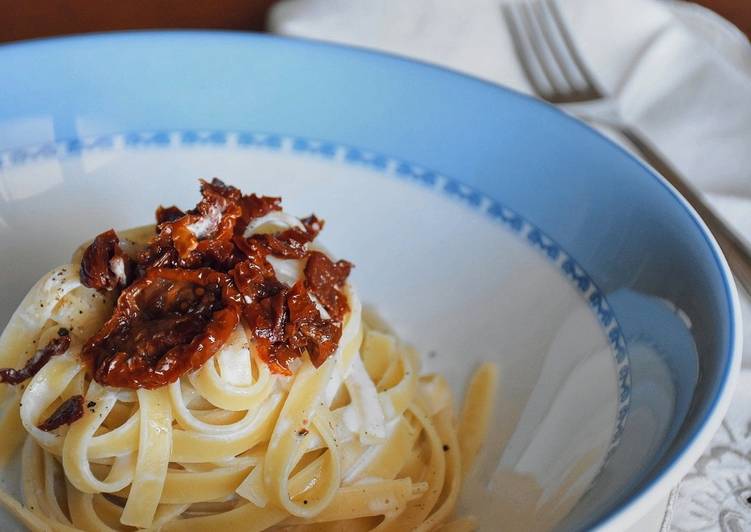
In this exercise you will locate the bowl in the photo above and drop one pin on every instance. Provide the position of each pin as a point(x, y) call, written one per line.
point(484, 225)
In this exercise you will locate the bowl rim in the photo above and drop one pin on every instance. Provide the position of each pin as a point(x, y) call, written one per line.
point(643, 498)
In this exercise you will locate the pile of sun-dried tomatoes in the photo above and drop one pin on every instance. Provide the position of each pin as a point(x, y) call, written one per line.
point(181, 297)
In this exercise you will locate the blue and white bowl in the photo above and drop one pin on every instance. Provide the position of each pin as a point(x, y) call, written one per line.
point(484, 225)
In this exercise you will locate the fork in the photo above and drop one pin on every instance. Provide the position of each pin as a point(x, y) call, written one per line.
point(558, 75)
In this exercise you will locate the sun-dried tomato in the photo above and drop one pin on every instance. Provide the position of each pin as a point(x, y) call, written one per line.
point(56, 346)
point(287, 324)
point(166, 324)
point(104, 266)
point(289, 244)
point(284, 322)
point(254, 206)
point(307, 329)
point(267, 317)
point(212, 220)
point(254, 277)
point(172, 318)
point(160, 253)
point(69, 411)
point(218, 187)
point(203, 236)
point(223, 198)
point(200, 238)
point(168, 214)
point(313, 225)
point(326, 279)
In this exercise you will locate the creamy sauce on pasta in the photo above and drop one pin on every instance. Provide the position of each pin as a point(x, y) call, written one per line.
point(326, 421)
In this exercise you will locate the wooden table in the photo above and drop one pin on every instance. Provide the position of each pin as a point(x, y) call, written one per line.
point(25, 19)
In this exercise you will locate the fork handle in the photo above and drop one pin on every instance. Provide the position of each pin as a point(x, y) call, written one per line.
point(736, 251)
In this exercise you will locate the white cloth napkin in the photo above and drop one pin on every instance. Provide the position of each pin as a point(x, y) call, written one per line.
point(682, 76)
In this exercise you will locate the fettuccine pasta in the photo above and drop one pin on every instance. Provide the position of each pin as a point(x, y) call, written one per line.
point(247, 440)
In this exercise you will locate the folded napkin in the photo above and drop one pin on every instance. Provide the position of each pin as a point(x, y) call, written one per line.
point(682, 76)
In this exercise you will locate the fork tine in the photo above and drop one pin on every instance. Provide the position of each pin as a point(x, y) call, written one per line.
point(545, 52)
point(528, 59)
point(558, 48)
point(566, 52)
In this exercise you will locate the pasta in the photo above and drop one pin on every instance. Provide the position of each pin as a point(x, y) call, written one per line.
point(247, 440)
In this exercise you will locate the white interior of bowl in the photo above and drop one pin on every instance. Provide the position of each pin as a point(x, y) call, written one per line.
point(459, 285)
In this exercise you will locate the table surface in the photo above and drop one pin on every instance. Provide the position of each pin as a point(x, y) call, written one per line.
point(26, 19)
